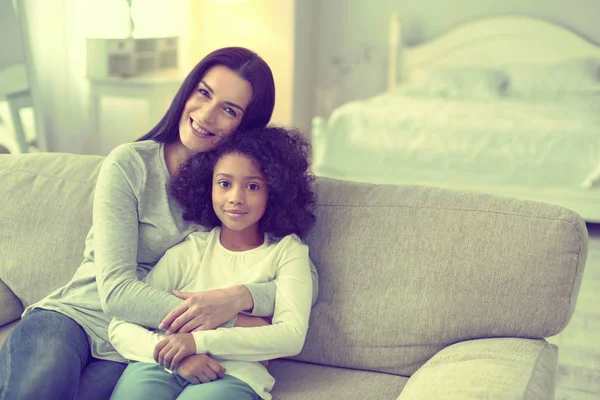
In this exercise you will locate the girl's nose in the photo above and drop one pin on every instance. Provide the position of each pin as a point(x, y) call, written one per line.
point(236, 196)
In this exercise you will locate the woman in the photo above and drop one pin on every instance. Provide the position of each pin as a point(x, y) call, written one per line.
point(60, 349)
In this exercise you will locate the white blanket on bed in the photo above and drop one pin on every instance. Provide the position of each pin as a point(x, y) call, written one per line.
point(394, 138)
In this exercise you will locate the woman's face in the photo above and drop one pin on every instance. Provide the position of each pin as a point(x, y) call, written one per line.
point(214, 110)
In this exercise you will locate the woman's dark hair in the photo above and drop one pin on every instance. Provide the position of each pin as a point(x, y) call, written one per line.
point(247, 65)
point(281, 155)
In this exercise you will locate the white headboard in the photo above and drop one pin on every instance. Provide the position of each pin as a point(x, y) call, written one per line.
point(487, 42)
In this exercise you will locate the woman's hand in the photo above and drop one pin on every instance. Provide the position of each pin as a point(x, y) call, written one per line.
point(200, 368)
point(173, 349)
point(206, 310)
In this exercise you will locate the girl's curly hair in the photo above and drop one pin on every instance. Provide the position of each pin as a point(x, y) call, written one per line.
point(281, 155)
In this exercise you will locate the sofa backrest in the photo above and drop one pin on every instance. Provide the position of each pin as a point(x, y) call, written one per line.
point(45, 215)
point(407, 270)
point(404, 270)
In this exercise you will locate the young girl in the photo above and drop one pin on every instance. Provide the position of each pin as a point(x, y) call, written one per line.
point(261, 205)
point(60, 349)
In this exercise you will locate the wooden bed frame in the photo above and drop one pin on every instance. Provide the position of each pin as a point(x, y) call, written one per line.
point(486, 42)
point(490, 42)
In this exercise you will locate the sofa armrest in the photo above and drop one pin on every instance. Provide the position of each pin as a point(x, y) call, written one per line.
point(499, 368)
point(11, 307)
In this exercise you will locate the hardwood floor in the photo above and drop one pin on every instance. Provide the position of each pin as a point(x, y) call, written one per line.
point(579, 343)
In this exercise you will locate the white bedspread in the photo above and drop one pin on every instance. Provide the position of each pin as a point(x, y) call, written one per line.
point(394, 138)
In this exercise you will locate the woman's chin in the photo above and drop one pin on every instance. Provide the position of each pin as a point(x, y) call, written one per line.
point(198, 144)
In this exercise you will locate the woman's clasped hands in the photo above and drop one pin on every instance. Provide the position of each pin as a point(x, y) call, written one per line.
point(206, 310)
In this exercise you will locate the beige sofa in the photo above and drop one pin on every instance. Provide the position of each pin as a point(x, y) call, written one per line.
point(424, 293)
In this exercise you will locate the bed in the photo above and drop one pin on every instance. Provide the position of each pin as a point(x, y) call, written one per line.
point(503, 105)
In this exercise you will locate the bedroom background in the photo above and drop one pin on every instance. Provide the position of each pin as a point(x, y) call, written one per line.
point(351, 50)
point(324, 53)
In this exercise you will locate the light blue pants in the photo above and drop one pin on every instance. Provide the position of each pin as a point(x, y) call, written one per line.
point(145, 381)
point(47, 356)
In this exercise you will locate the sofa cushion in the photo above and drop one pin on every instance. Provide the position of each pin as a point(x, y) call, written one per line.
point(404, 270)
point(499, 368)
point(5, 331)
point(304, 381)
point(10, 306)
point(46, 214)
point(408, 270)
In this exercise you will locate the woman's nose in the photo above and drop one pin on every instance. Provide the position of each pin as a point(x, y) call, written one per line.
point(207, 113)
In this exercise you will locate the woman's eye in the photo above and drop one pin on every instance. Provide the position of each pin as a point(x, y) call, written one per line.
point(224, 184)
point(253, 186)
point(230, 111)
point(204, 92)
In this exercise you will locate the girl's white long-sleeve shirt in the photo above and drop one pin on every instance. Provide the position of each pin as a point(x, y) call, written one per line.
point(202, 263)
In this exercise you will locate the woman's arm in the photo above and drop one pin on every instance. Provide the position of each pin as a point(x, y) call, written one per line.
point(116, 225)
point(173, 270)
point(255, 299)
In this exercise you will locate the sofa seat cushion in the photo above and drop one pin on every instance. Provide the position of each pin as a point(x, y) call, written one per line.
point(304, 381)
point(6, 329)
point(494, 368)
point(10, 306)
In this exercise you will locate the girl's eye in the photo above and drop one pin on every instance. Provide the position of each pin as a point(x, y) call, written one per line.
point(253, 186)
point(230, 111)
point(224, 184)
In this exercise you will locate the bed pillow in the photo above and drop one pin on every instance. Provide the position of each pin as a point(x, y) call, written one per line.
point(573, 76)
point(456, 82)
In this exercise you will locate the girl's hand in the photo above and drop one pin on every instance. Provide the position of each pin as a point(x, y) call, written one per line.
point(247, 321)
point(200, 368)
point(173, 349)
point(206, 310)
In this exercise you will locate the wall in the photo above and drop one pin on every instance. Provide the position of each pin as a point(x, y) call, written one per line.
point(352, 36)
point(57, 31)
point(265, 26)
point(56, 37)
point(11, 39)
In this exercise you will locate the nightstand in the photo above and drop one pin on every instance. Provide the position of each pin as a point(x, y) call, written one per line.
point(124, 109)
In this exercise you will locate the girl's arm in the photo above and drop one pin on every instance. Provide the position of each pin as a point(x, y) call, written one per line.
point(173, 270)
point(132, 341)
point(264, 294)
point(290, 321)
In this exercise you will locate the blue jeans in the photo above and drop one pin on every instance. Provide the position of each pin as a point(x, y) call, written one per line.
point(47, 356)
point(144, 381)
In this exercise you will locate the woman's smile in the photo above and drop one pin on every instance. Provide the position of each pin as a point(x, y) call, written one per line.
point(199, 131)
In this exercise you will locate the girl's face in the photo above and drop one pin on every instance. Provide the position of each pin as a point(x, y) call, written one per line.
point(239, 194)
point(214, 110)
